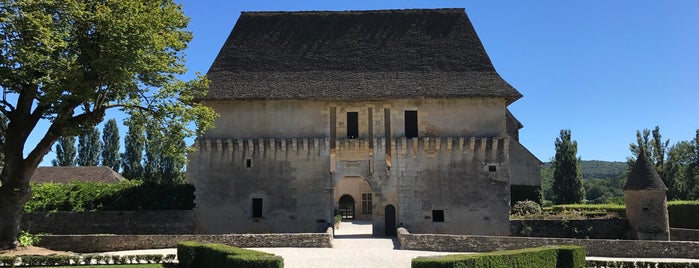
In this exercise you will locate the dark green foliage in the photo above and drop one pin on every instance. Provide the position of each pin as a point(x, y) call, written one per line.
point(129, 195)
point(524, 192)
point(165, 160)
point(65, 152)
point(641, 264)
point(111, 142)
point(596, 169)
point(131, 159)
point(683, 214)
point(591, 209)
point(543, 257)
point(89, 147)
point(567, 185)
point(195, 255)
point(8, 260)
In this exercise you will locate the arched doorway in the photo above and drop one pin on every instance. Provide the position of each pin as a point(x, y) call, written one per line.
point(390, 220)
point(346, 207)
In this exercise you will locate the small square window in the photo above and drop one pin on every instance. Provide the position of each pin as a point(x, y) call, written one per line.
point(492, 168)
point(438, 215)
point(248, 163)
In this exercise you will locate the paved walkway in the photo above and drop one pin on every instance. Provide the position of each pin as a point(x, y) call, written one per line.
point(354, 247)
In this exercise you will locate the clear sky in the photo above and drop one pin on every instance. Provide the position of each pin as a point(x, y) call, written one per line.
point(602, 69)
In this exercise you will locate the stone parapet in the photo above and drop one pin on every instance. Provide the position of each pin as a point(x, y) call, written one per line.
point(593, 247)
point(102, 243)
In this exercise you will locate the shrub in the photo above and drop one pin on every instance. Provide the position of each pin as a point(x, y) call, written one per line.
point(127, 195)
point(26, 239)
point(195, 255)
point(641, 264)
point(526, 207)
point(543, 257)
point(8, 261)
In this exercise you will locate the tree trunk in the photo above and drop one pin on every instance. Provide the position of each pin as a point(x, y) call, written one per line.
point(13, 194)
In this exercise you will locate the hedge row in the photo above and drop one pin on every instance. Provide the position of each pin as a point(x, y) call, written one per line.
point(641, 264)
point(682, 214)
point(59, 260)
point(196, 255)
point(542, 257)
point(127, 195)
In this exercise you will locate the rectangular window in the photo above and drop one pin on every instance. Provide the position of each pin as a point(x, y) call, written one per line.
point(248, 163)
point(438, 215)
point(411, 124)
point(257, 207)
point(366, 203)
point(352, 125)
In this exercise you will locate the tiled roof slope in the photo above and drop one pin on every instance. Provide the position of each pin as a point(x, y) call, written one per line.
point(643, 176)
point(355, 55)
point(69, 174)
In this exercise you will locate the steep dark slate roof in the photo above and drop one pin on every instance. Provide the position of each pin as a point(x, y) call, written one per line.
point(643, 176)
point(69, 174)
point(355, 55)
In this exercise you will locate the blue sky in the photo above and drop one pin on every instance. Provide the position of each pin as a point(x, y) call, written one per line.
point(603, 69)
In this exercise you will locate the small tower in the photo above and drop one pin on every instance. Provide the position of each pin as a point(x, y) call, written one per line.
point(646, 202)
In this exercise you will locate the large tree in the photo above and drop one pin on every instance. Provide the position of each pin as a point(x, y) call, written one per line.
point(134, 143)
point(68, 61)
point(89, 147)
point(65, 152)
point(110, 145)
point(567, 177)
point(3, 127)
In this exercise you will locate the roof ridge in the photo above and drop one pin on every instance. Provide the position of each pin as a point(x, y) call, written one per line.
point(406, 10)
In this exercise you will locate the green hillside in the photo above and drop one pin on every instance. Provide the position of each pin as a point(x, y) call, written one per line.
point(595, 169)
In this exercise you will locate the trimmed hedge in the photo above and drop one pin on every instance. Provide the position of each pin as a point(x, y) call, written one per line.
point(127, 195)
point(641, 264)
point(65, 260)
point(542, 257)
point(683, 214)
point(592, 209)
point(195, 255)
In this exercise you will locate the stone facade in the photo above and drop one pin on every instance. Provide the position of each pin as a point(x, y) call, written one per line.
point(421, 139)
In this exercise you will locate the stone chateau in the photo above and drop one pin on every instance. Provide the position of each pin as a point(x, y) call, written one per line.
point(393, 116)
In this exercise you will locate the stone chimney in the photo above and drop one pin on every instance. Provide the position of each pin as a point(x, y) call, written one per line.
point(646, 202)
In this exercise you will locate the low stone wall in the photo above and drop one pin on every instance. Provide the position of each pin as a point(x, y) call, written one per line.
point(102, 243)
point(678, 234)
point(110, 222)
point(593, 247)
point(593, 229)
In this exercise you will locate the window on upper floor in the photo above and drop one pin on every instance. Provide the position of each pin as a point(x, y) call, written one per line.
point(411, 124)
point(352, 125)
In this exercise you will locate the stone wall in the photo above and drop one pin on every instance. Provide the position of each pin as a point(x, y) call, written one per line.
point(110, 222)
point(102, 243)
point(593, 247)
point(679, 234)
point(593, 229)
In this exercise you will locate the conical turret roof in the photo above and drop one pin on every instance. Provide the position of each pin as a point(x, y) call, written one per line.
point(643, 176)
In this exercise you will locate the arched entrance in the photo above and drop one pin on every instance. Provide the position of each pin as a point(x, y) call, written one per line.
point(390, 220)
point(346, 207)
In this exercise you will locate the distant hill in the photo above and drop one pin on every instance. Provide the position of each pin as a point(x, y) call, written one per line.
point(595, 169)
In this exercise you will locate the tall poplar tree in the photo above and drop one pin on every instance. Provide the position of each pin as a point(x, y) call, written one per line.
point(111, 143)
point(134, 144)
point(567, 177)
point(89, 148)
point(65, 152)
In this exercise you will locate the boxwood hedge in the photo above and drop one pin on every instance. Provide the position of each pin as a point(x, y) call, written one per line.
point(542, 257)
point(195, 255)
